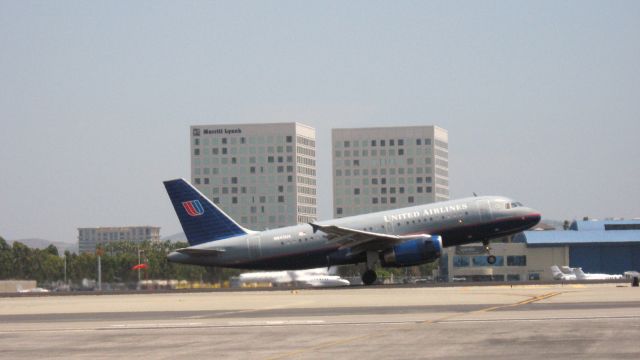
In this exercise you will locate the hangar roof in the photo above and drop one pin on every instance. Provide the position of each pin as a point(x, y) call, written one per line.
point(569, 237)
point(600, 225)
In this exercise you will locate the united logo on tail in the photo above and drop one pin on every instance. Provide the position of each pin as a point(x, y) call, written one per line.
point(193, 207)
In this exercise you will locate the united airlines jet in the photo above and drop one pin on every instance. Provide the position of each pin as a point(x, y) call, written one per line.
point(394, 238)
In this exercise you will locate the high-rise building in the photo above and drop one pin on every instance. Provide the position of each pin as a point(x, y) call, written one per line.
point(89, 238)
point(262, 175)
point(382, 168)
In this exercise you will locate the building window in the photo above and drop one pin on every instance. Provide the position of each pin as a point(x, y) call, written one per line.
point(400, 151)
point(339, 211)
point(460, 261)
point(481, 260)
point(374, 200)
point(289, 138)
point(517, 260)
point(196, 152)
point(418, 141)
point(513, 277)
point(234, 200)
point(373, 143)
point(347, 144)
point(410, 199)
point(391, 142)
point(534, 277)
point(281, 198)
point(381, 142)
point(356, 191)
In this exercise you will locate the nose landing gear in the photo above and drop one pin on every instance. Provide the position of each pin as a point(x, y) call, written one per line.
point(491, 259)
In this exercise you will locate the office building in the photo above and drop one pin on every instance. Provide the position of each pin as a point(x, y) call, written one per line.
point(382, 168)
point(89, 238)
point(262, 175)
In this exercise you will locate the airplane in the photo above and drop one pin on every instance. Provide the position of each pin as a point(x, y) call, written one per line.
point(312, 277)
point(394, 238)
point(631, 274)
point(562, 275)
point(567, 273)
point(580, 275)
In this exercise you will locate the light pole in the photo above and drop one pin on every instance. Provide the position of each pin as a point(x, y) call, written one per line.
point(139, 252)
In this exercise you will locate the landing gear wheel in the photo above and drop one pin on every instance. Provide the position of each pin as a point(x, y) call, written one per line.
point(491, 259)
point(369, 277)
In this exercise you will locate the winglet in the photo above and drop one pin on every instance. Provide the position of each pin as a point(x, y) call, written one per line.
point(315, 227)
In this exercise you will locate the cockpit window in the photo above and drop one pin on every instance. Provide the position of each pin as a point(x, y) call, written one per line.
point(514, 205)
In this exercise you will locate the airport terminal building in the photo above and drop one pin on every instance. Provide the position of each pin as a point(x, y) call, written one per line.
point(608, 246)
point(383, 168)
point(262, 175)
point(89, 238)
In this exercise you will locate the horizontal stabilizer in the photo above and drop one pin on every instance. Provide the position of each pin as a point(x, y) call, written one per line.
point(200, 252)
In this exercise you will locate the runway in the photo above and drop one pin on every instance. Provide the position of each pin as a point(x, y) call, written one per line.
point(528, 322)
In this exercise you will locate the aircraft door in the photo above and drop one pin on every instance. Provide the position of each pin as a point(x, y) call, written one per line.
point(253, 245)
point(484, 208)
point(388, 227)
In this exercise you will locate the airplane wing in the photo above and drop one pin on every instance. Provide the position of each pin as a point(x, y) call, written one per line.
point(359, 240)
point(200, 252)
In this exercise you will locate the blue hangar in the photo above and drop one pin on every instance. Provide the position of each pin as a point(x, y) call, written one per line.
point(598, 246)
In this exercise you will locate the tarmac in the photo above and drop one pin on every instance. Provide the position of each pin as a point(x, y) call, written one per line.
point(485, 322)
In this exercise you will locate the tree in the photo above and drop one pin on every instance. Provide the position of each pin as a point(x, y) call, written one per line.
point(5, 259)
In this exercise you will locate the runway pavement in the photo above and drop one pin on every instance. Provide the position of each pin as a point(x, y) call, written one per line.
point(524, 322)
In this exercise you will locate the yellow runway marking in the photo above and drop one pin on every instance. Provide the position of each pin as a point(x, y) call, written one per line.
point(426, 322)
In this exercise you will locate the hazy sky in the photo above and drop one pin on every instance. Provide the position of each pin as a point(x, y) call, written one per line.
point(541, 99)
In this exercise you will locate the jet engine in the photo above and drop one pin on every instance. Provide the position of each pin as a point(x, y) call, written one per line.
point(414, 251)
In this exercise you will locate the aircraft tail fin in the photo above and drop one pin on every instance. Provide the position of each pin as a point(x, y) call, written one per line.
point(579, 273)
point(201, 220)
point(555, 271)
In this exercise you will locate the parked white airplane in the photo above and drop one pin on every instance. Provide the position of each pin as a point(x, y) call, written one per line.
point(310, 277)
point(631, 274)
point(580, 275)
point(568, 274)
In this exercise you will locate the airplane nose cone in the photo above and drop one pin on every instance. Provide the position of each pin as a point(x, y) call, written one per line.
point(533, 218)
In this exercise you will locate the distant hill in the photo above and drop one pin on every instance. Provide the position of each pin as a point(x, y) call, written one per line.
point(43, 243)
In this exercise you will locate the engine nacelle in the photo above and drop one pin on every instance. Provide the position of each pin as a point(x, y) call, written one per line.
point(417, 250)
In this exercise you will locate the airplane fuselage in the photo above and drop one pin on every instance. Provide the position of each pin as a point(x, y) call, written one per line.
point(458, 222)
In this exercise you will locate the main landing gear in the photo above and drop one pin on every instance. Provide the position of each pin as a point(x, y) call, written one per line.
point(370, 276)
point(491, 259)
